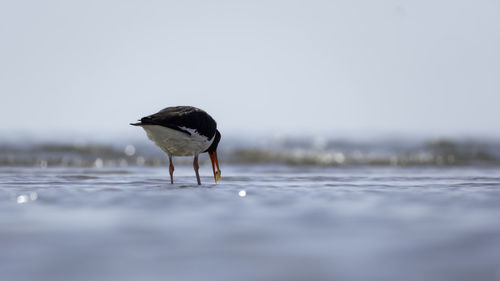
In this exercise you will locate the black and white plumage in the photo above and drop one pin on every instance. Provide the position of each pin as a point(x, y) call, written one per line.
point(184, 131)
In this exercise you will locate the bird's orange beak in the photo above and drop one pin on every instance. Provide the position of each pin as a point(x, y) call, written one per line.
point(215, 163)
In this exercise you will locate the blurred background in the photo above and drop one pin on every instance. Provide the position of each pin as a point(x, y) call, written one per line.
point(360, 140)
point(323, 68)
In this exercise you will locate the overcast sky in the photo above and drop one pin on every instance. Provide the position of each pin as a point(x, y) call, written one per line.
point(328, 67)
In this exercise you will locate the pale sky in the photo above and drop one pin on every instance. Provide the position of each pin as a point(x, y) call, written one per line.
point(388, 66)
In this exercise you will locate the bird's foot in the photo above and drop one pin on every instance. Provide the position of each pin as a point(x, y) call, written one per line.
point(218, 176)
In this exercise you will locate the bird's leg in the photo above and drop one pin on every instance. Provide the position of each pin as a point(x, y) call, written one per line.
point(171, 169)
point(196, 167)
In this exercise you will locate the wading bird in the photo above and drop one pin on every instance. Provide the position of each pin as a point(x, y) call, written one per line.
point(184, 131)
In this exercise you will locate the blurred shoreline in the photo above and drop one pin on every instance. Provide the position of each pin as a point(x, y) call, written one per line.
point(134, 149)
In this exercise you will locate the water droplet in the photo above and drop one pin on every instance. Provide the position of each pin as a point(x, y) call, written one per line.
point(129, 150)
point(22, 199)
point(339, 157)
point(33, 196)
point(99, 163)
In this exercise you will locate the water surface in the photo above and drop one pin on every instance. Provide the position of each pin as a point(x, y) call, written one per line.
point(262, 222)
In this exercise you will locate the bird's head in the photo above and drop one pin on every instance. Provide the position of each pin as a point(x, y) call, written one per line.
point(212, 152)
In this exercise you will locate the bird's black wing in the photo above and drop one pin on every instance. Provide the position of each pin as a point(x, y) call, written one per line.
point(179, 117)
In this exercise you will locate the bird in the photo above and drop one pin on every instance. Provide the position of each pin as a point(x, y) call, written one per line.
point(184, 131)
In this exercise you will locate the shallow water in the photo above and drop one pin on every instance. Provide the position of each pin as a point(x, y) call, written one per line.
point(290, 223)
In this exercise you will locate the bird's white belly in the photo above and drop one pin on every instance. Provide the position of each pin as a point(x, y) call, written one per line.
point(176, 143)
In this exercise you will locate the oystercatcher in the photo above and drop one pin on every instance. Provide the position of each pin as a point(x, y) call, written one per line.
point(184, 131)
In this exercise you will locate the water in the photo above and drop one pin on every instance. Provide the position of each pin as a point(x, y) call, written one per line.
point(115, 220)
